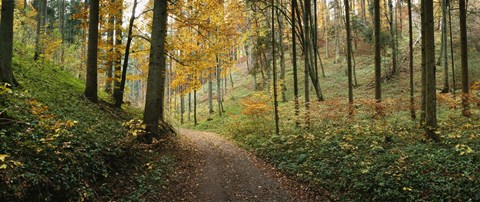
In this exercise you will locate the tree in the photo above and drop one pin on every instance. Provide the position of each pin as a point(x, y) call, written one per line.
point(430, 85)
point(378, 57)
point(410, 45)
point(464, 57)
point(118, 56)
point(306, 51)
point(349, 56)
point(294, 60)
point(446, 85)
point(392, 37)
point(6, 42)
point(118, 96)
point(41, 15)
point(153, 112)
point(454, 87)
point(110, 51)
point(92, 54)
point(274, 69)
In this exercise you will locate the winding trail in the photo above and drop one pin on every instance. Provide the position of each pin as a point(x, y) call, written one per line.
point(221, 171)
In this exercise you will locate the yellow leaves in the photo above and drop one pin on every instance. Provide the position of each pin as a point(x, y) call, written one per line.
point(463, 149)
point(135, 127)
point(149, 165)
point(407, 189)
point(12, 163)
point(3, 157)
point(6, 89)
point(256, 105)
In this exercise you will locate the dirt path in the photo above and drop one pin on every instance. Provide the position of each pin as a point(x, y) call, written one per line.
point(220, 171)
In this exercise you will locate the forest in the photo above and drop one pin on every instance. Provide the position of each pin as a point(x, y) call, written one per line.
point(239, 100)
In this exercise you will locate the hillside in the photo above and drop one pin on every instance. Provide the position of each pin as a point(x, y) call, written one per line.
point(57, 146)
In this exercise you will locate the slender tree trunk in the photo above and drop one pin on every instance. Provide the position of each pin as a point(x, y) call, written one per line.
point(446, 85)
point(274, 69)
point(307, 60)
point(62, 31)
point(110, 42)
point(464, 57)
point(189, 105)
point(91, 80)
point(349, 56)
point(410, 45)
point(327, 22)
point(210, 94)
point(6, 42)
point(430, 91)
point(153, 112)
point(294, 62)
point(337, 35)
point(195, 107)
point(392, 40)
point(119, 95)
point(454, 86)
point(424, 63)
point(118, 55)
point(38, 48)
point(378, 57)
point(182, 107)
point(219, 89)
point(282, 54)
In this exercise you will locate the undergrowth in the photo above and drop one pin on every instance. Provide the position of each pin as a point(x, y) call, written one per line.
point(57, 146)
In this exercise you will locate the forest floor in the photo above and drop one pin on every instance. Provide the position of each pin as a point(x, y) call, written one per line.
point(214, 169)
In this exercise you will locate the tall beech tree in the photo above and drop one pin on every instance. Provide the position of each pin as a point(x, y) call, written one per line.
point(349, 56)
point(429, 68)
point(410, 46)
point(464, 56)
point(378, 56)
point(6, 41)
point(274, 69)
point(294, 60)
point(118, 96)
point(92, 54)
point(153, 112)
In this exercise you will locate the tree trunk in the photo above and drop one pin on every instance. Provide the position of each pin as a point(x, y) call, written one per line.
point(110, 43)
point(410, 45)
point(378, 58)
point(274, 69)
point(349, 57)
point(6, 43)
point(446, 85)
point(153, 112)
point(282, 54)
point(210, 94)
point(307, 60)
point(219, 88)
point(393, 36)
point(38, 45)
point(195, 107)
point(294, 62)
point(464, 57)
point(327, 22)
point(118, 54)
point(120, 92)
point(430, 90)
point(182, 107)
point(454, 86)
point(62, 30)
point(91, 80)
point(337, 35)
point(189, 105)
